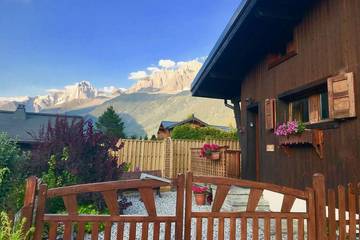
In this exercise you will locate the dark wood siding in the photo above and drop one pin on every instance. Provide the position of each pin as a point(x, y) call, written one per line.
point(328, 41)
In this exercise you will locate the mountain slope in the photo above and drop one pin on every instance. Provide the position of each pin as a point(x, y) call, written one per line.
point(143, 112)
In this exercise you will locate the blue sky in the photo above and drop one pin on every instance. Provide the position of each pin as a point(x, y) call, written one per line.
point(52, 43)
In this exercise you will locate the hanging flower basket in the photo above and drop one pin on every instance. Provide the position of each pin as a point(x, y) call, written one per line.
point(214, 156)
point(210, 151)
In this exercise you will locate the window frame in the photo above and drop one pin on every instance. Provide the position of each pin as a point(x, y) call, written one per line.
point(307, 97)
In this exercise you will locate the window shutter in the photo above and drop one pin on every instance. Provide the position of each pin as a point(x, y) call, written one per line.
point(269, 114)
point(341, 96)
point(314, 108)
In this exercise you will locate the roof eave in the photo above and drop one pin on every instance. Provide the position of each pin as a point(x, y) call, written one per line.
point(235, 22)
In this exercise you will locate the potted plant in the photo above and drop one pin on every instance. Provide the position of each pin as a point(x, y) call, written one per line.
point(200, 194)
point(210, 151)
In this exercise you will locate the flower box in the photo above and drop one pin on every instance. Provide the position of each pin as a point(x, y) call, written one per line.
point(215, 156)
point(300, 138)
point(312, 137)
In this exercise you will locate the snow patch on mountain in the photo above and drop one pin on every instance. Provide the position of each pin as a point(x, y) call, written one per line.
point(80, 91)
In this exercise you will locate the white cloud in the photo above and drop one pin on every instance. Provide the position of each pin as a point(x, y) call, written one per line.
point(153, 69)
point(138, 75)
point(166, 63)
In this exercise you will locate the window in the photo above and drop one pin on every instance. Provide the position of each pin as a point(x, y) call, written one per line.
point(299, 110)
point(311, 109)
point(324, 102)
point(328, 99)
point(282, 53)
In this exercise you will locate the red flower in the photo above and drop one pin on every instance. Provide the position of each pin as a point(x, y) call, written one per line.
point(199, 189)
point(208, 149)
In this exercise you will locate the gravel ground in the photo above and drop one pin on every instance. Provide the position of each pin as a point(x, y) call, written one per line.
point(166, 205)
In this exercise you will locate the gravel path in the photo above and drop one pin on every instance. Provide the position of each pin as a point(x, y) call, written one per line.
point(166, 205)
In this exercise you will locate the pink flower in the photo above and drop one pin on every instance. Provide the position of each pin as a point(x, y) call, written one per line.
point(288, 128)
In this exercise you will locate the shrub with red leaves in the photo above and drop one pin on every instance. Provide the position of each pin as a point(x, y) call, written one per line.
point(87, 149)
point(89, 159)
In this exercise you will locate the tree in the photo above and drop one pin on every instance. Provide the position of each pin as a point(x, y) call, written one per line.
point(11, 177)
point(72, 152)
point(111, 124)
point(153, 137)
point(146, 137)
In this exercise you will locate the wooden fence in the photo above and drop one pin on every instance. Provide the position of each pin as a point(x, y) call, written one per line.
point(339, 217)
point(330, 214)
point(169, 156)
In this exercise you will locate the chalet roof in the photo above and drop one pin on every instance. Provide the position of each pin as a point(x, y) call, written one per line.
point(256, 27)
point(23, 125)
point(169, 125)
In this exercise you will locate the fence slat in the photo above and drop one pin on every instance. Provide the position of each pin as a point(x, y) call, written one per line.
point(352, 210)
point(53, 230)
point(266, 228)
point(290, 226)
point(210, 228)
point(301, 229)
point(145, 231)
point(81, 231)
point(342, 222)
point(95, 231)
point(278, 230)
point(243, 228)
point(331, 214)
point(221, 229)
point(232, 228)
point(198, 228)
point(168, 231)
point(255, 230)
point(107, 232)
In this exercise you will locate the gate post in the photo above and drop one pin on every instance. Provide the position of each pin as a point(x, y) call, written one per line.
point(320, 206)
point(27, 210)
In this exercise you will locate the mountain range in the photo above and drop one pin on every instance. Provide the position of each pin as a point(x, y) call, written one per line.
point(158, 94)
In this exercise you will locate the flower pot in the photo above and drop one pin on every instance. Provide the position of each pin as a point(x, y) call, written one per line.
point(200, 198)
point(214, 156)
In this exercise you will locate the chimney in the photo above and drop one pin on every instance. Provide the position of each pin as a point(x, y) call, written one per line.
point(20, 112)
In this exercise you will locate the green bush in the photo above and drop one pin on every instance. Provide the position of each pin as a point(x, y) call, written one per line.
point(201, 133)
point(11, 176)
point(10, 232)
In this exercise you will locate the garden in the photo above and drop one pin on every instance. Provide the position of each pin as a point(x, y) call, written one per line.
point(67, 153)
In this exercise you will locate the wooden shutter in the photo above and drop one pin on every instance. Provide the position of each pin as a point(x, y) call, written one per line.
point(269, 114)
point(314, 108)
point(341, 96)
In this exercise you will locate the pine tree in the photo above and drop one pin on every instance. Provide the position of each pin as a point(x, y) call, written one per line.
point(153, 137)
point(111, 124)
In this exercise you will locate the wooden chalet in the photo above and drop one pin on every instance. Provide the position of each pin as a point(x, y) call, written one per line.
point(291, 60)
point(166, 127)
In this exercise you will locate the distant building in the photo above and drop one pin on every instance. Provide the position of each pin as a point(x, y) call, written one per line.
point(166, 127)
point(25, 126)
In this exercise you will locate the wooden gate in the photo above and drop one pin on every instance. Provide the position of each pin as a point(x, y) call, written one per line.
point(249, 224)
point(271, 222)
point(72, 223)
